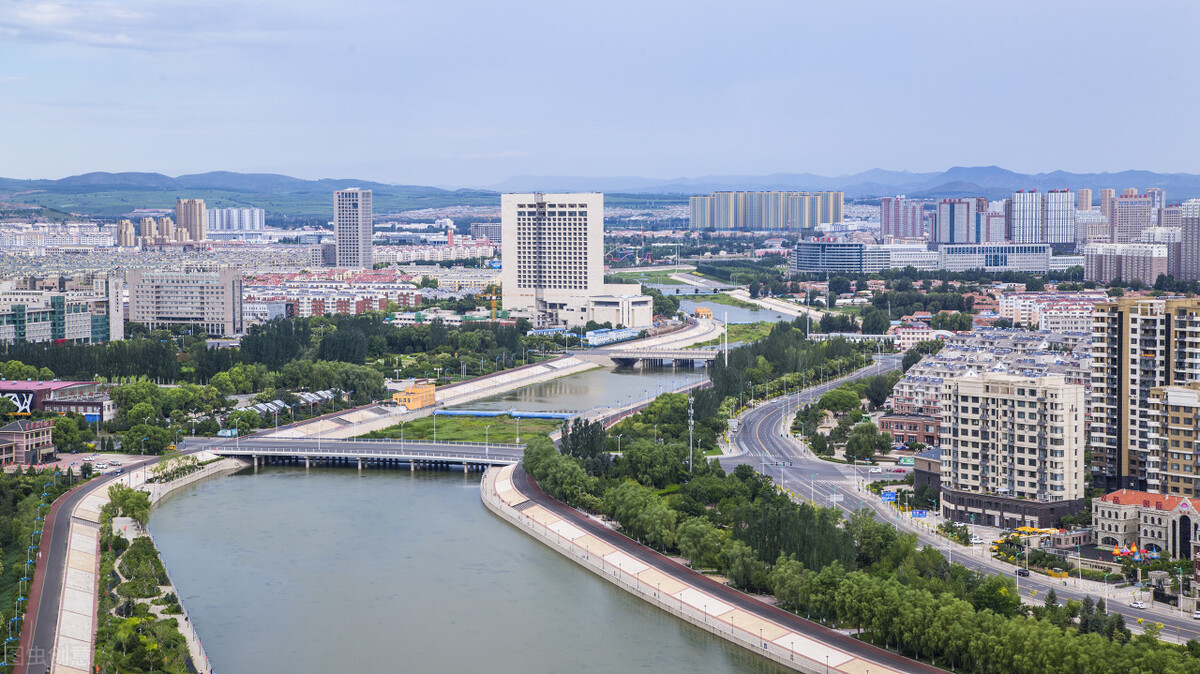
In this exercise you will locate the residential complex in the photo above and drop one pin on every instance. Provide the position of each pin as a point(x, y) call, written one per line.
point(352, 228)
point(765, 211)
point(554, 263)
point(901, 218)
point(1012, 449)
point(191, 217)
point(236, 223)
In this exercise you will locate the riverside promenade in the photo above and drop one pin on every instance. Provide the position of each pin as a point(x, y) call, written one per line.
point(714, 607)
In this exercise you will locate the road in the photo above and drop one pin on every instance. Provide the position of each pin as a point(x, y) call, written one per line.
point(762, 436)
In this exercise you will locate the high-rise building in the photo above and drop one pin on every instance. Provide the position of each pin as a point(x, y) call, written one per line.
point(1012, 449)
point(1106, 262)
point(1025, 219)
point(1189, 252)
point(1131, 214)
point(989, 227)
point(1108, 198)
point(1091, 227)
point(166, 228)
point(207, 297)
point(901, 218)
point(148, 230)
point(765, 211)
point(1083, 201)
point(1129, 192)
point(352, 228)
point(1058, 216)
point(126, 234)
point(243, 220)
point(1170, 216)
point(956, 222)
point(553, 263)
point(192, 217)
point(486, 230)
point(1158, 197)
point(1138, 343)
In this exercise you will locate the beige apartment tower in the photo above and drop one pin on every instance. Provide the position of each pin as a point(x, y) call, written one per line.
point(192, 217)
point(352, 228)
point(1083, 199)
point(1012, 449)
point(1138, 344)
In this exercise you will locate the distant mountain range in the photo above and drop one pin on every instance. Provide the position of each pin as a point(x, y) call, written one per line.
point(285, 198)
point(990, 181)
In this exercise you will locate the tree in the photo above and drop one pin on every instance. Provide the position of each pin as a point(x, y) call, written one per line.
point(875, 322)
point(156, 439)
point(65, 434)
point(755, 288)
point(699, 542)
point(840, 400)
point(839, 285)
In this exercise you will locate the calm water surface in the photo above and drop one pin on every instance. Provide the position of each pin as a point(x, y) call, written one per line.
point(329, 570)
point(595, 388)
point(735, 314)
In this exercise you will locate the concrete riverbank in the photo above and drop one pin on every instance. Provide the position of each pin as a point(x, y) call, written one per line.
point(689, 596)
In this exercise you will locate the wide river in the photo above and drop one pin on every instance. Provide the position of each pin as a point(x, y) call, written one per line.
point(330, 570)
point(601, 387)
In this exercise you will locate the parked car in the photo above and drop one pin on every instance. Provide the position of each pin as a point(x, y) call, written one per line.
point(1137, 604)
point(101, 466)
point(1195, 615)
point(1023, 572)
point(975, 540)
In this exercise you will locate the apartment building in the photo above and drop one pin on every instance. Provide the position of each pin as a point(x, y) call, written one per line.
point(955, 222)
point(1145, 262)
point(192, 217)
point(765, 211)
point(209, 298)
point(1130, 215)
point(1138, 344)
point(1059, 311)
point(1012, 449)
point(352, 228)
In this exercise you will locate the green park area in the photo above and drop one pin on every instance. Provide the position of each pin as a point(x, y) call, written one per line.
point(469, 429)
point(741, 333)
point(653, 277)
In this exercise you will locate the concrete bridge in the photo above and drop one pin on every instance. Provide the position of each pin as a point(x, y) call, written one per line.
point(650, 356)
point(416, 454)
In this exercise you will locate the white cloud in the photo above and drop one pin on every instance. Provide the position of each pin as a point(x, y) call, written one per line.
point(146, 24)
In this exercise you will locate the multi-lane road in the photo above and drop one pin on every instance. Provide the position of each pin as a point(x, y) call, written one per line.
point(764, 440)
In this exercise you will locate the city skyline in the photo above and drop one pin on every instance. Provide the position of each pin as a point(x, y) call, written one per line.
point(443, 92)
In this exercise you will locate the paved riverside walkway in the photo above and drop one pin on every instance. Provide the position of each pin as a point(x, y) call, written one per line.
point(686, 594)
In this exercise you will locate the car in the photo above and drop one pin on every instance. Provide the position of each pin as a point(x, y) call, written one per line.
point(101, 466)
point(1137, 604)
point(1195, 615)
point(898, 470)
point(876, 470)
point(975, 540)
point(1024, 573)
point(118, 471)
point(114, 462)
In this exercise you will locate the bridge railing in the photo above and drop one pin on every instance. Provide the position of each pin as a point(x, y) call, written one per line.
point(481, 457)
point(397, 441)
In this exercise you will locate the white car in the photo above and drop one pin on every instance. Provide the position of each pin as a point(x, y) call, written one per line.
point(114, 462)
point(100, 466)
point(1195, 615)
point(975, 540)
point(1137, 604)
point(876, 470)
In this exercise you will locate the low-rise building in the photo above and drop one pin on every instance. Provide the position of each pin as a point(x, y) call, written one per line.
point(421, 393)
point(909, 428)
point(30, 440)
point(1165, 524)
point(81, 397)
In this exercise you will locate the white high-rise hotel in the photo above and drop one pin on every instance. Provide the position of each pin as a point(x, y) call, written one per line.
point(553, 262)
point(352, 228)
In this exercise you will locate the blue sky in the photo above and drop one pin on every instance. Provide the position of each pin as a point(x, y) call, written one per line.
point(460, 93)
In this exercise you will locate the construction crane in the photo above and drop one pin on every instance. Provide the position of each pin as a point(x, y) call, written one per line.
point(492, 293)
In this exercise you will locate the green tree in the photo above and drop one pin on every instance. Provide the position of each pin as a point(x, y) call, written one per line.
point(840, 400)
point(699, 542)
point(875, 322)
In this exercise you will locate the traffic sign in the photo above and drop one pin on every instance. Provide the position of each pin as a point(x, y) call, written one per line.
point(889, 496)
point(920, 513)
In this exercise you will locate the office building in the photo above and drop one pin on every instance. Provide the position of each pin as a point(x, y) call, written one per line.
point(989, 227)
point(1012, 449)
point(352, 228)
point(1025, 213)
point(1129, 192)
point(62, 311)
point(209, 298)
point(1131, 214)
point(1170, 216)
point(1158, 198)
point(192, 217)
point(1058, 216)
point(995, 257)
point(765, 211)
point(1083, 199)
point(1106, 262)
point(956, 222)
point(828, 255)
point(487, 230)
point(553, 263)
point(1138, 344)
point(1091, 227)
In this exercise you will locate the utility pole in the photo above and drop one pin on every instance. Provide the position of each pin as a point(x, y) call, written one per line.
point(725, 329)
point(691, 425)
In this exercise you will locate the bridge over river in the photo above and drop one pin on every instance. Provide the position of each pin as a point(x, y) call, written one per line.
point(362, 453)
point(650, 355)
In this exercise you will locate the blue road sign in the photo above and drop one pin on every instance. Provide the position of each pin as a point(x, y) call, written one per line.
point(889, 497)
point(920, 513)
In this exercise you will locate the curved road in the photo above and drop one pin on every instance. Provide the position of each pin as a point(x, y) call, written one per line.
point(763, 437)
point(745, 602)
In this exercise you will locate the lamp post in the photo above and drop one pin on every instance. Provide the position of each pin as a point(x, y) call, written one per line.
point(237, 436)
point(143, 447)
point(402, 434)
point(518, 430)
point(486, 429)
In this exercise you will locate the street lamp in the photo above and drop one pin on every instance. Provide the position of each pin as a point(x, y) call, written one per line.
point(402, 434)
point(518, 430)
point(486, 429)
point(237, 436)
point(143, 447)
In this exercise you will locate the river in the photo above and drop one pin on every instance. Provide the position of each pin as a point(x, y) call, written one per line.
point(602, 387)
point(735, 314)
point(330, 570)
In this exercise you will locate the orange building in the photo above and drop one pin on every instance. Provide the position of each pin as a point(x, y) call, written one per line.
point(419, 394)
point(703, 312)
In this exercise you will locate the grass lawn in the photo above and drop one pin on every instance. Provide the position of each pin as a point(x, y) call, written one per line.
point(659, 277)
point(722, 298)
point(469, 429)
point(743, 333)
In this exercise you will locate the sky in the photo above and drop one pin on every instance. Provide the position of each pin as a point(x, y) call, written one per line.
point(468, 94)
